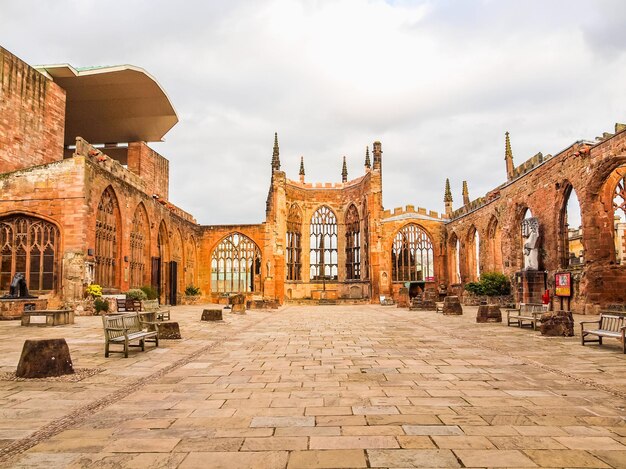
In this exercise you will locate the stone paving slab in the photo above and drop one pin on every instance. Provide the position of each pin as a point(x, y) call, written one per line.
point(333, 386)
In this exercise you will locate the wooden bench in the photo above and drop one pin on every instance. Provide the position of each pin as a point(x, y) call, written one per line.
point(609, 325)
point(122, 329)
point(125, 305)
point(526, 313)
point(153, 307)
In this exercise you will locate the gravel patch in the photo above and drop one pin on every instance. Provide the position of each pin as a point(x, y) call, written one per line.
point(79, 375)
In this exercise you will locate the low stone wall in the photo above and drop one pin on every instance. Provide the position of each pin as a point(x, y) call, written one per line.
point(470, 299)
point(13, 308)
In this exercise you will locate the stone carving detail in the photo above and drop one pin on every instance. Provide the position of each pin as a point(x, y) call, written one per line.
point(530, 233)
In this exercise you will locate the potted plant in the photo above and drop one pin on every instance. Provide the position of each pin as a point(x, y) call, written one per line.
point(192, 295)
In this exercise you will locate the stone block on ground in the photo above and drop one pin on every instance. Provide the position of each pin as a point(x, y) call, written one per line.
point(44, 358)
point(238, 299)
point(169, 330)
point(557, 324)
point(403, 298)
point(489, 313)
point(239, 308)
point(452, 306)
point(212, 315)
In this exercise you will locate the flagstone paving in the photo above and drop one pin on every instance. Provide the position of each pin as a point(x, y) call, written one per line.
point(320, 387)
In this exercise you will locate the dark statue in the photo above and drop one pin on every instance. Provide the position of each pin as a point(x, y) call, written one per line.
point(18, 288)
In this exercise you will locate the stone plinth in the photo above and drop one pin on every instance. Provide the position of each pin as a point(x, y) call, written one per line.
point(211, 315)
point(530, 286)
point(169, 330)
point(239, 308)
point(452, 306)
point(489, 313)
point(557, 324)
point(262, 304)
point(238, 299)
point(13, 308)
point(402, 299)
point(422, 305)
point(48, 317)
point(44, 358)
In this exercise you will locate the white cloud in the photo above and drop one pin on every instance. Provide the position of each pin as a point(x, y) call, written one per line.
point(438, 82)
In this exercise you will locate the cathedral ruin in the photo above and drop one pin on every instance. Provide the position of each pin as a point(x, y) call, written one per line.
point(84, 199)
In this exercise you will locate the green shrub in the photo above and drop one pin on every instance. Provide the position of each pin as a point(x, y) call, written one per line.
point(490, 284)
point(101, 305)
point(150, 292)
point(136, 294)
point(192, 291)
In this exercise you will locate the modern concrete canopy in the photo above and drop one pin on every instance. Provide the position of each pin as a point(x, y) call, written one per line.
point(115, 104)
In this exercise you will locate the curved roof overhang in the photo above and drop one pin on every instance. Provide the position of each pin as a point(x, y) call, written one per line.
point(115, 104)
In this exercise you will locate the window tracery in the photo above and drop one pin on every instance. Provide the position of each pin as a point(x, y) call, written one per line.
point(323, 244)
point(106, 239)
point(353, 244)
point(236, 265)
point(294, 244)
point(28, 245)
point(412, 255)
point(139, 250)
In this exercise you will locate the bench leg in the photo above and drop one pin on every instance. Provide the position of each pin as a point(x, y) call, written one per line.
point(126, 348)
point(106, 349)
point(142, 342)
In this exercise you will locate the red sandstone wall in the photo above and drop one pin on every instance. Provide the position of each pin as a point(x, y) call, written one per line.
point(151, 167)
point(33, 116)
point(599, 282)
point(211, 237)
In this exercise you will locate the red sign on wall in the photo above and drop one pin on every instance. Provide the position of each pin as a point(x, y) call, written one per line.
point(563, 282)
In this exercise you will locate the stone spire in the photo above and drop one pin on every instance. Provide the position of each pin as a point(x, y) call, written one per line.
point(447, 198)
point(508, 157)
point(344, 171)
point(466, 199)
point(302, 169)
point(377, 151)
point(368, 164)
point(275, 155)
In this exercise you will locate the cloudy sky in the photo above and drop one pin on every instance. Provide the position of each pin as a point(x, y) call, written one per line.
point(437, 82)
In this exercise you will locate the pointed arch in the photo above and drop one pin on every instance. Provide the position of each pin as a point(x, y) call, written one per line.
point(570, 244)
point(412, 255)
point(236, 265)
point(162, 274)
point(108, 236)
point(294, 243)
point(191, 255)
point(454, 265)
point(353, 243)
point(323, 244)
point(177, 261)
point(617, 181)
point(365, 271)
point(472, 253)
point(29, 245)
point(139, 247)
point(494, 245)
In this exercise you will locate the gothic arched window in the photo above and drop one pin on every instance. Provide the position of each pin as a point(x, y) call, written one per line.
point(294, 243)
point(107, 239)
point(353, 244)
point(30, 246)
point(323, 237)
point(236, 265)
point(366, 243)
point(139, 247)
point(412, 255)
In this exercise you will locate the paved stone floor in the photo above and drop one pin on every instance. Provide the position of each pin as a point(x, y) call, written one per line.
point(322, 387)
